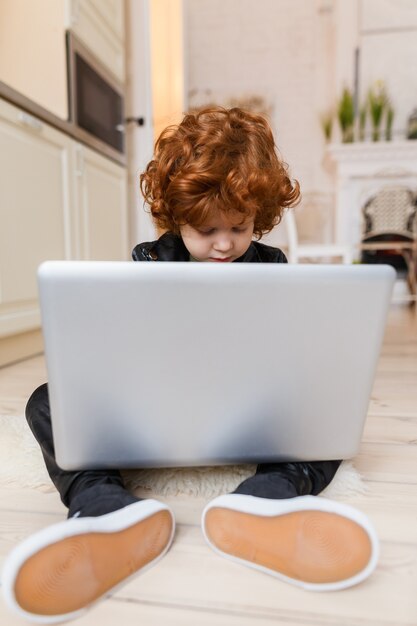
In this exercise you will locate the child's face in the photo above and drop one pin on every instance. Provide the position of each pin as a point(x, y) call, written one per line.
point(222, 239)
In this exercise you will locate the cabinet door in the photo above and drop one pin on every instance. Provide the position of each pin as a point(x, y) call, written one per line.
point(100, 26)
point(102, 206)
point(35, 213)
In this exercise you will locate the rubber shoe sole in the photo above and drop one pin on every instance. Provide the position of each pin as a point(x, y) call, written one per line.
point(56, 574)
point(311, 542)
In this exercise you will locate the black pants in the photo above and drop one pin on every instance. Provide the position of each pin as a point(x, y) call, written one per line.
point(272, 480)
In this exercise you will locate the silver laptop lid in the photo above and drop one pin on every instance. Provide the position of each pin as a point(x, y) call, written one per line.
point(170, 364)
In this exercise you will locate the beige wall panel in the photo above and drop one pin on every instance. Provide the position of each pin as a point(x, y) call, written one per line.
point(167, 65)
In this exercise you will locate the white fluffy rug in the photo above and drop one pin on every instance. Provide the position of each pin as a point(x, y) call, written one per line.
point(21, 465)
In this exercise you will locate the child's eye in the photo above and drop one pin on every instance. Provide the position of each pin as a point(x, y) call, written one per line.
point(206, 232)
point(240, 229)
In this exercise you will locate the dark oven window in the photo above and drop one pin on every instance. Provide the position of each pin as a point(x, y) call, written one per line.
point(99, 106)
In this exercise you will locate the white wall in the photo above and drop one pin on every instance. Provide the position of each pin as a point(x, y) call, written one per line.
point(32, 51)
point(388, 40)
point(298, 55)
point(240, 47)
point(282, 51)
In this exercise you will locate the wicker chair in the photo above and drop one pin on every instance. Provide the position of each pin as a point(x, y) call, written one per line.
point(390, 224)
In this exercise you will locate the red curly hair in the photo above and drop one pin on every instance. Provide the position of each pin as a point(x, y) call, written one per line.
point(218, 160)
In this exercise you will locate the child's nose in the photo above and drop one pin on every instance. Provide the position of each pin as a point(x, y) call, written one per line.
point(223, 244)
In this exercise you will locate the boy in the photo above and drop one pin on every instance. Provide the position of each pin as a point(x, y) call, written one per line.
point(215, 183)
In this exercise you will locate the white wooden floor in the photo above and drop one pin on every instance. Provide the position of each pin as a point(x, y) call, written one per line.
point(192, 585)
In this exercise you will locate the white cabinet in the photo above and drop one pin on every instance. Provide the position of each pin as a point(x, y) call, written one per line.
point(100, 25)
point(35, 211)
point(58, 200)
point(32, 52)
point(101, 190)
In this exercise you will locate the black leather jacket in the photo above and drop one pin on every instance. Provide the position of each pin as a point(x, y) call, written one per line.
point(171, 247)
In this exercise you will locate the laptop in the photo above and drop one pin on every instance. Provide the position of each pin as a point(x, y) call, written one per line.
point(191, 364)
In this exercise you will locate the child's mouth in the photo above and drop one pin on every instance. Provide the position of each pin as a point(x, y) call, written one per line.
point(226, 260)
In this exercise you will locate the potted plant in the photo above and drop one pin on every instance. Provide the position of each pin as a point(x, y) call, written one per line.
point(388, 122)
point(363, 114)
point(326, 120)
point(377, 99)
point(346, 115)
point(412, 125)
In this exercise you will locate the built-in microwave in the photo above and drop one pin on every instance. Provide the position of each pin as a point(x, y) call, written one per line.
point(96, 100)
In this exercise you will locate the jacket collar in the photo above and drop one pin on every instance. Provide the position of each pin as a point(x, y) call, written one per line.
point(251, 255)
point(170, 247)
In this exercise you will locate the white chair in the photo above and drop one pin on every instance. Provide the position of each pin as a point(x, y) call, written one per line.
point(297, 251)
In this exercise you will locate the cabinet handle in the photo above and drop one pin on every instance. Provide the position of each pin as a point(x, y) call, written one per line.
point(139, 121)
point(28, 120)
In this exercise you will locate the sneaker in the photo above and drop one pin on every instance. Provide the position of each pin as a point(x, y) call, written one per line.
point(311, 542)
point(57, 573)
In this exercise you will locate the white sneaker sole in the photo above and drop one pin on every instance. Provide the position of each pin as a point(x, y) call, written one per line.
point(59, 572)
point(309, 541)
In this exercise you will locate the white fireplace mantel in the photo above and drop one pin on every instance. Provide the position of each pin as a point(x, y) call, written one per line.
point(360, 170)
